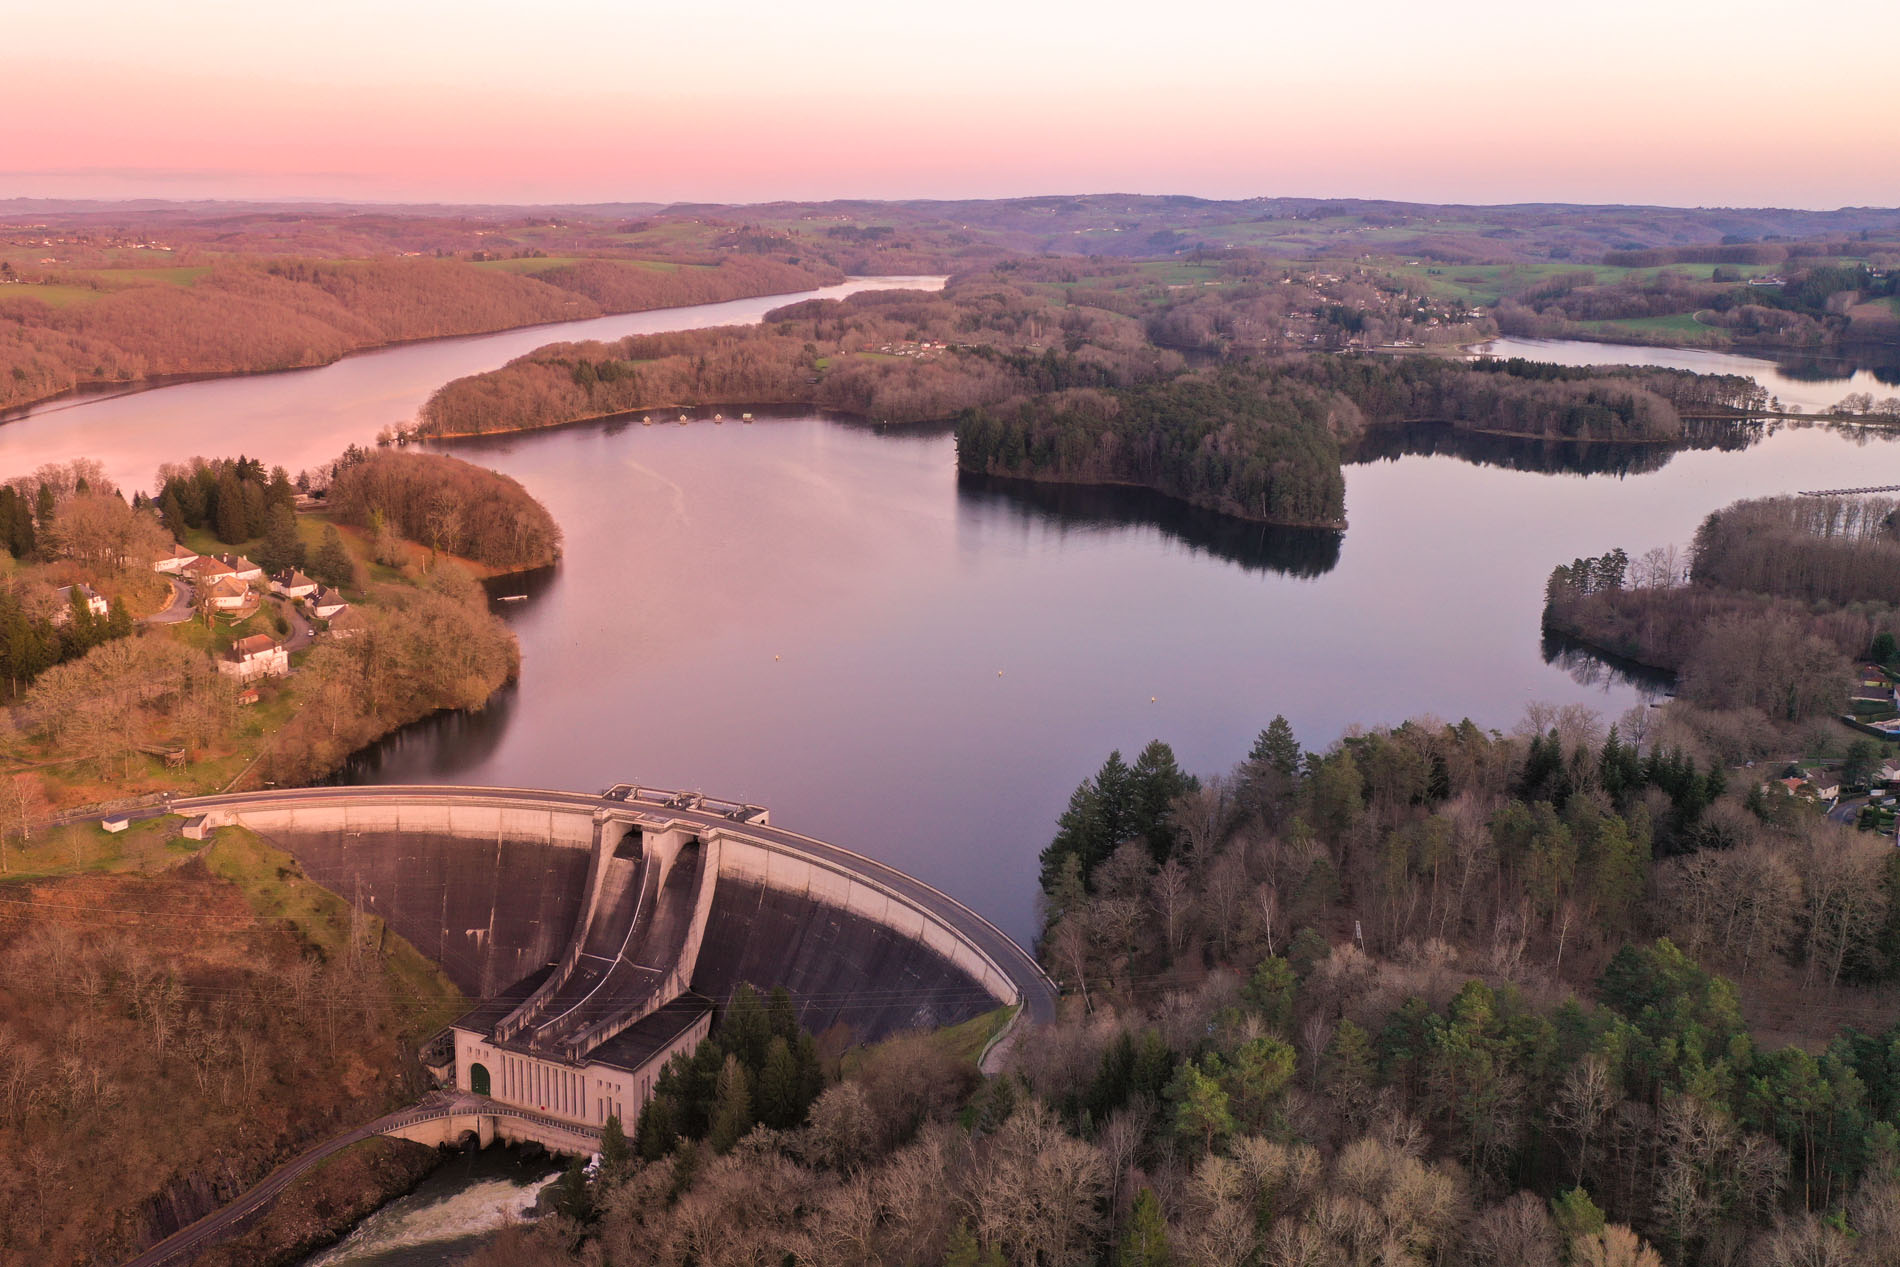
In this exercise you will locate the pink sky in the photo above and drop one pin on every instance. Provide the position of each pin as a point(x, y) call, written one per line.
point(1666, 101)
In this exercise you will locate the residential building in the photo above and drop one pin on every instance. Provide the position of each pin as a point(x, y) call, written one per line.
point(94, 603)
point(259, 655)
point(326, 603)
point(292, 584)
point(243, 568)
point(205, 569)
point(228, 593)
point(174, 561)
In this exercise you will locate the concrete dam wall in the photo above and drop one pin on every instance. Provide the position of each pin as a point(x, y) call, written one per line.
point(496, 886)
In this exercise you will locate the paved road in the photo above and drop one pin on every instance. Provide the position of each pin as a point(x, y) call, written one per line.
point(229, 1219)
point(1038, 992)
point(179, 610)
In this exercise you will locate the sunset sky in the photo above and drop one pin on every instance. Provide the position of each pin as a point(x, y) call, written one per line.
point(1737, 102)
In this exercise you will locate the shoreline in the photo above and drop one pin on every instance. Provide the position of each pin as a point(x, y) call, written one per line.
point(86, 392)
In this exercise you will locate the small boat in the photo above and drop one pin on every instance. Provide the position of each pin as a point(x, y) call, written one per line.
point(682, 420)
point(512, 598)
point(719, 417)
point(647, 421)
point(745, 417)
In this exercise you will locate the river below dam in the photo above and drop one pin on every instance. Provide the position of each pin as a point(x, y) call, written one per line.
point(820, 615)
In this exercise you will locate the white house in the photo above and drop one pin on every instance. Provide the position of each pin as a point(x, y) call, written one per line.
point(204, 569)
point(257, 656)
point(94, 603)
point(174, 561)
point(228, 593)
point(326, 602)
point(243, 568)
point(292, 584)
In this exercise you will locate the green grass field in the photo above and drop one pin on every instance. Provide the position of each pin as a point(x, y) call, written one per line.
point(535, 264)
point(52, 295)
point(180, 275)
point(82, 847)
point(1682, 323)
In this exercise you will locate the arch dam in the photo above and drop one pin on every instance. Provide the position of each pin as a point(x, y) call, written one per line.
point(597, 933)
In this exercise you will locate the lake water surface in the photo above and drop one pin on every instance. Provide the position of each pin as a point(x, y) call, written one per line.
point(821, 616)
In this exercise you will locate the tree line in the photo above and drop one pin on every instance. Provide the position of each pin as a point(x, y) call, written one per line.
point(1784, 594)
point(247, 315)
point(1233, 440)
point(1401, 1001)
point(448, 505)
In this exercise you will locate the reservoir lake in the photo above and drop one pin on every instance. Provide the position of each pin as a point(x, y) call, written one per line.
point(820, 615)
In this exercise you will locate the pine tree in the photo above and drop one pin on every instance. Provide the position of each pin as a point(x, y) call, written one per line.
point(231, 523)
point(333, 564)
point(732, 1107)
point(572, 1195)
point(658, 1129)
point(1276, 748)
point(746, 1029)
point(119, 621)
point(1154, 781)
point(779, 1103)
point(616, 1154)
point(283, 546)
point(1145, 1239)
point(1270, 991)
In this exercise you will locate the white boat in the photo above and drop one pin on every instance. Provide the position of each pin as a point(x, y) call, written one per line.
point(682, 420)
point(647, 421)
point(745, 417)
point(719, 417)
point(512, 598)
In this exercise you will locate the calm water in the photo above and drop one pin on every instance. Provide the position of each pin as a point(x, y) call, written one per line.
point(1812, 383)
point(821, 616)
point(300, 418)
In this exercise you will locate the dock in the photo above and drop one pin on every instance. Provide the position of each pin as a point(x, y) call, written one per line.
point(1849, 492)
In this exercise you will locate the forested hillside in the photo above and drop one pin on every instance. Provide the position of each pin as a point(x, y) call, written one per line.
point(1434, 995)
point(1784, 595)
point(248, 315)
point(1236, 441)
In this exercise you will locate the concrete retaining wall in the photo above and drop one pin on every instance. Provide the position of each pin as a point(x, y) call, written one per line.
point(799, 874)
point(490, 885)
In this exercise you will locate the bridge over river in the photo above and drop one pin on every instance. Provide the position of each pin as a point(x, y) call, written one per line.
point(597, 934)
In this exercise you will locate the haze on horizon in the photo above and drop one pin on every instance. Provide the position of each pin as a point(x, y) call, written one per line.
point(1682, 102)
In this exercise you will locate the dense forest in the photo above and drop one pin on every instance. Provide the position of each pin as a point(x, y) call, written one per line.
point(1235, 440)
point(1435, 995)
point(1783, 596)
point(248, 315)
point(447, 504)
point(166, 1038)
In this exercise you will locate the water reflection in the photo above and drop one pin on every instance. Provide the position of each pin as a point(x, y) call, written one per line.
point(1883, 363)
point(1590, 666)
point(1542, 456)
point(443, 747)
point(1298, 552)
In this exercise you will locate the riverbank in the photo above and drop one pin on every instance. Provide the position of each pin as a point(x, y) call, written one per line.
point(266, 315)
point(321, 1208)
